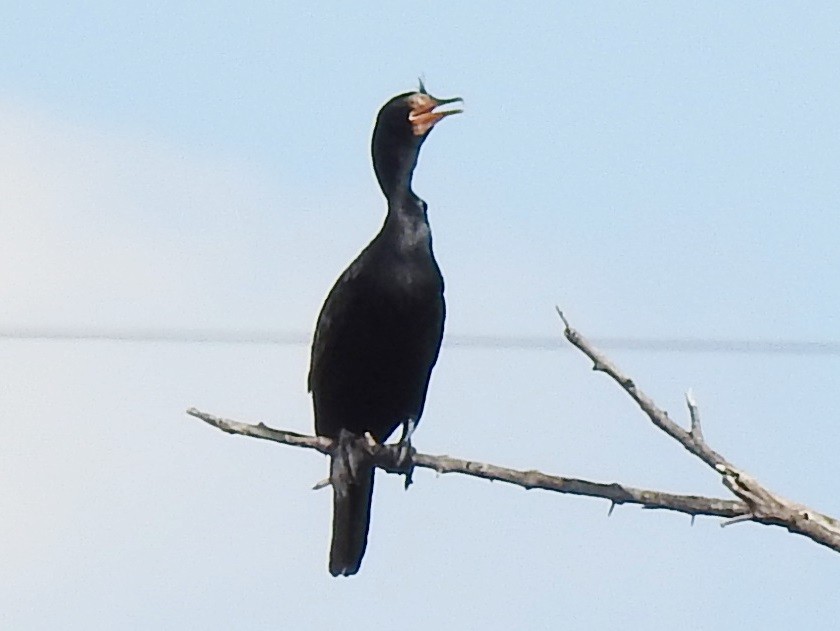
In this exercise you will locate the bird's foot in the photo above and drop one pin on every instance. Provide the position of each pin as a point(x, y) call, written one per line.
point(346, 462)
point(405, 461)
point(405, 455)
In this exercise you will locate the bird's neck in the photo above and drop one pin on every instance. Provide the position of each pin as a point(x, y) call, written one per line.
point(394, 164)
point(394, 168)
point(407, 223)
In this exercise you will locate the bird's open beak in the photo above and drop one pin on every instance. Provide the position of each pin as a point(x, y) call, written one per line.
point(423, 115)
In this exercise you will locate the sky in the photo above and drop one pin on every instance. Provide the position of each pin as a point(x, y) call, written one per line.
point(658, 170)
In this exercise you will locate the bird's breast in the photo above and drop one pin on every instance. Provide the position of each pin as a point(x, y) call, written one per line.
point(414, 275)
point(416, 235)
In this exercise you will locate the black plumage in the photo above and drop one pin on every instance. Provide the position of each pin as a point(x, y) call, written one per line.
point(380, 329)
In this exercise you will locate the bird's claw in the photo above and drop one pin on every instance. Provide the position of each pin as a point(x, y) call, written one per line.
point(370, 440)
point(405, 456)
point(405, 460)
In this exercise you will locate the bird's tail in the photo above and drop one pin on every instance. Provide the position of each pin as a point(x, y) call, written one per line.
point(351, 520)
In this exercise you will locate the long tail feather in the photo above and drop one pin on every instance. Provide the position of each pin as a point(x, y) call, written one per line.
point(351, 520)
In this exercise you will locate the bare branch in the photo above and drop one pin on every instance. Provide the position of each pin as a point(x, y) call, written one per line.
point(755, 503)
point(386, 457)
point(763, 506)
point(740, 519)
point(694, 413)
point(658, 416)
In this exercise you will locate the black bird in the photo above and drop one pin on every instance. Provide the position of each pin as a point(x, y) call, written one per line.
point(379, 331)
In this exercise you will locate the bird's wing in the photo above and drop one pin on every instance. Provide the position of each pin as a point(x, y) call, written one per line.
point(333, 314)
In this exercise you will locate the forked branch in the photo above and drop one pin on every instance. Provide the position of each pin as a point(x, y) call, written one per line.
point(754, 502)
point(763, 506)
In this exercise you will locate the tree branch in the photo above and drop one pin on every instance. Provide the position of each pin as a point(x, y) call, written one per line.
point(387, 458)
point(755, 503)
point(763, 506)
point(695, 444)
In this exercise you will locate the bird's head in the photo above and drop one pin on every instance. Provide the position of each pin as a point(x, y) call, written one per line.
point(402, 125)
point(413, 114)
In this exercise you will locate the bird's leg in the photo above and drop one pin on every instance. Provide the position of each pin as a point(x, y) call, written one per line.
point(404, 458)
point(347, 460)
point(409, 426)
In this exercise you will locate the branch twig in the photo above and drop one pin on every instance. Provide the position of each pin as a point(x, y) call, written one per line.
point(696, 431)
point(763, 506)
point(386, 457)
point(755, 503)
point(695, 444)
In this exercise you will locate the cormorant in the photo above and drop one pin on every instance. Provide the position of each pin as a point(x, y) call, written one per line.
point(380, 329)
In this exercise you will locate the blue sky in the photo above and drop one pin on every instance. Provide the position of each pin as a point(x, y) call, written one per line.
point(657, 170)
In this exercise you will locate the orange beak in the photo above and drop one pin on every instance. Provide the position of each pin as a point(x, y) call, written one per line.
point(423, 115)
